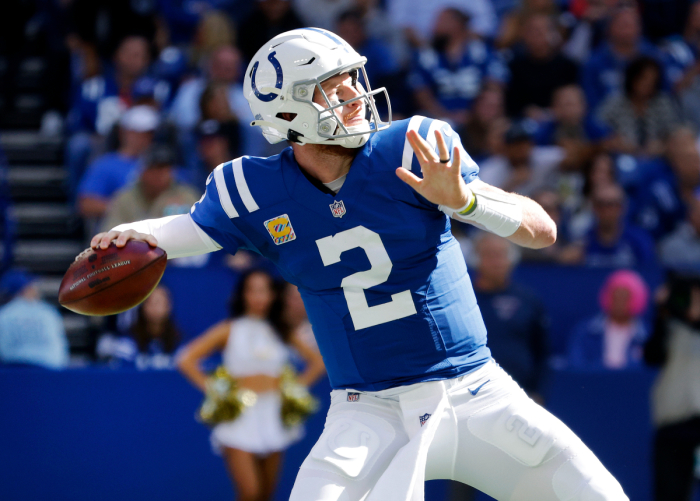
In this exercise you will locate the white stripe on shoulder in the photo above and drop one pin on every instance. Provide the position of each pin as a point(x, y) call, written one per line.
point(407, 158)
point(430, 138)
point(224, 197)
point(242, 186)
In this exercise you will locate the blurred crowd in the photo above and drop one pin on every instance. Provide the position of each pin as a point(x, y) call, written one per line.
point(591, 107)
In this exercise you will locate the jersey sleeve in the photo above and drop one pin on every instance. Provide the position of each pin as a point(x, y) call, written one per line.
point(426, 127)
point(215, 214)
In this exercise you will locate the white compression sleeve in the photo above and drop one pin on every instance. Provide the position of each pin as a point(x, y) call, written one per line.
point(179, 236)
point(494, 212)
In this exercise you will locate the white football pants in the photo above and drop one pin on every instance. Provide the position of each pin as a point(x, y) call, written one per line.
point(491, 436)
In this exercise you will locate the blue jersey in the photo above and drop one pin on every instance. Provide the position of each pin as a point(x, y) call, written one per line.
point(457, 85)
point(383, 280)
point(679, 57)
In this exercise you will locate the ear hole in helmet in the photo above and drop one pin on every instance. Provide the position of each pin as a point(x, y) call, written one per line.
point(286, 116)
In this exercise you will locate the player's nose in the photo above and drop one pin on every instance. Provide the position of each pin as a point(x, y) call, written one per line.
point(351, 93)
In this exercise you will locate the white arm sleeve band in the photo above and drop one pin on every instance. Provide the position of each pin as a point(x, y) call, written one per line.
point(497, 213)
point(179, 236)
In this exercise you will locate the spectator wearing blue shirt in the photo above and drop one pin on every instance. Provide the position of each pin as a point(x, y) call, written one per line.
point(613, 339)
point(152, 339)
point(447, 76)
point(603, 74)
point(113, 171)
point(31, 331)
point(515, 318)
point(538, 69)
point(572, 128)
point(612, 242)
point(100, 100)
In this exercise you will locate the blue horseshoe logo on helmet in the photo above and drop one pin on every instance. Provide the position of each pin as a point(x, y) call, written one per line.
point(278, 84)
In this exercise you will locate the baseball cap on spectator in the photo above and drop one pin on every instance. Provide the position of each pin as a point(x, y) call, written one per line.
point(140, 119)
point(523, 130)
point(159, 155)
point(214, 128)
point(15, 281)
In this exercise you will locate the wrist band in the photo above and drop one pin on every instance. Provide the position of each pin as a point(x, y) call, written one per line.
point(469, 207)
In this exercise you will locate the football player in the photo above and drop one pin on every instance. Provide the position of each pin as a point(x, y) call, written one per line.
point(356, 213)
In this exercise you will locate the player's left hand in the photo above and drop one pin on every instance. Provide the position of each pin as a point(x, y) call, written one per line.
point(442, 182)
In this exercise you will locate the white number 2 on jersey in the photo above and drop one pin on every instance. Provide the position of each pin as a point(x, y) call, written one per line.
point(363, 315)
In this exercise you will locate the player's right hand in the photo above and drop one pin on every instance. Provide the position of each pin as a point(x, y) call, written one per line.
point(120, 238)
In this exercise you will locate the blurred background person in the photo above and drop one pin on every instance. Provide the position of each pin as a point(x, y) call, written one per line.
point(523, 167)
point(513, 21)
point(382, 68)
point(223, 67)
point(572, 128)
point(99, 100)
point(614, 338)
point(612, 241)
point(112, 171)
point(448, 74)
point(416, 18)
point(255, 342)
point(514, 316)
point(675, 398)
point(156, 193)
point(152, 338)
point(214, 30)
point(31, 330)
point(214, 141)
point(564, 250)
point(643, 115)
point(537, 70)
point(268, 19)
point(295, 315)
point(683, 67)
point(681, 249)
point(603, 73)
point(487, 114)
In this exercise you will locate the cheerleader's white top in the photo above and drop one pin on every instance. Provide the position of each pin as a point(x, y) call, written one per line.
point(253, 348)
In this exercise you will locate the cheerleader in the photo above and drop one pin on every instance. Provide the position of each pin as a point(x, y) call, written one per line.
point(256, 345)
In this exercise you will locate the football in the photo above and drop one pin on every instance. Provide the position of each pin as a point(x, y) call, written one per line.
point(105, 282)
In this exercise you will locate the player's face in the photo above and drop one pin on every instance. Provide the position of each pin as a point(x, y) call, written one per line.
point(339, 89)
point(258, 295)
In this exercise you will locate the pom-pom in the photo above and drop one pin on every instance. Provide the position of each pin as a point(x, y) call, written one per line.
point(224, 399)
point(297, 403)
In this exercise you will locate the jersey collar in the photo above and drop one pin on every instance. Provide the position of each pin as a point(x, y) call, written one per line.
point(304, 192)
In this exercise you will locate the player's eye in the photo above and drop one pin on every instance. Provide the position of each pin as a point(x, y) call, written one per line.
point(353, 76)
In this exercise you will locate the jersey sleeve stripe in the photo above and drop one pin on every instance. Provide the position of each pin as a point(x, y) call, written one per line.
point(430, 137)
point(242, 186)
point(224, 196)
point(407, 158)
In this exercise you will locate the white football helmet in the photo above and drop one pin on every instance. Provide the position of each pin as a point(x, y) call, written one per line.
point(282, 77)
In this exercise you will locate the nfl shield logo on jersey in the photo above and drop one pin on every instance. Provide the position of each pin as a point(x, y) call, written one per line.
point(353, 397)
point(280, 229)
point(424, 418)
point(337, 208)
